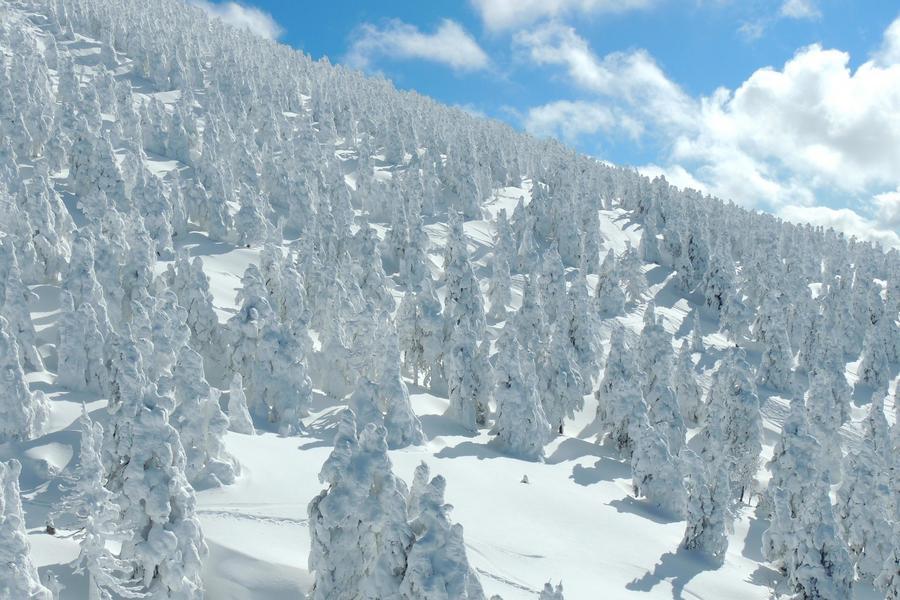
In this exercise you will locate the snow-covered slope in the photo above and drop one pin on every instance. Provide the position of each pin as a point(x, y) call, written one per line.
point(178, 137)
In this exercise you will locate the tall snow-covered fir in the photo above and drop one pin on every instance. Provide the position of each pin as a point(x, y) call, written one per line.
point(232, 276)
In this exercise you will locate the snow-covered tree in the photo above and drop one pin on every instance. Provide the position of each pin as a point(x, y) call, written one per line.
point(91, 507)
point(802, 538)
point(521, 427)
point(864, 511)
point(620, 404)
point(826, 412)
point(687, 392)
point(734, 418)
point(655, 362)
point(18, 318)
point(282, 388)
point(437, 567)
point(655, 472)
point(708, 498)
point(18, 575)
point(582, 335)
point(400, 421)
point(239, 419)
point(359, 533)
point(559, 381)
point(201, 424)
point(888, 581)
point(632, 274)
point(552, 593)
point(875, 428)
point(696, 333)
point(23, 413)
point(777, 361)
point(191, 285)
point(608, 295)
point(164, 546)
point(80, 358)
point(499, 288)
point(468, 380)
point(419, 330)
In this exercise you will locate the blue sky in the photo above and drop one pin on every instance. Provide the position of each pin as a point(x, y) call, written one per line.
point(788, 106)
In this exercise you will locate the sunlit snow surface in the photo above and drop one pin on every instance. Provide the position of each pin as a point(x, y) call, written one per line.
point(576, 520)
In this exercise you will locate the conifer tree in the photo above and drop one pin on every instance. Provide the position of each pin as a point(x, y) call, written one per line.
point(734, 414)
point(864, 511)
point(552, 593)
point(888, 581)
point(608, 295)
point(559, 381)
point(23, 413)
point(358, 529)
point(521, 427)
point(693, 410)
point(239, 419)
point(468, 380)
point(437, 566)
point(582, 335)
point(201, 424)
point(620, 404)
point(400, 421)
point(499, 289)
point(92, 508)
point(708, 498)
point(18, 575)
point(655, 472)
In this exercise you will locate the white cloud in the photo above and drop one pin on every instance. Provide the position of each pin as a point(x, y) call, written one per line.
point(674, 174)
point(887, 209)
point(800, 9)
point(889, 54)
point(244, 17)
point(450, 45)
point(812, 128)
point(508, 14)
point(568, 120)
point(842, 219)
point(632, 78)
point(814, 121)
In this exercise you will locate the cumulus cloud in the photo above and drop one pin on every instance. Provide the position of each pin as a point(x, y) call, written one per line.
point(568, 120)
point(508, 14)
point(889, 54)
point(800, 9)
point(814, 127)
point(449, 45)
point(675, 175)
point(243, 16)
point(887, 209)
point(630, 78)
point(841, 219)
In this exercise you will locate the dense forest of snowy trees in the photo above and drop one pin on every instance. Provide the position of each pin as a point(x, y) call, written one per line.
point(268, 149)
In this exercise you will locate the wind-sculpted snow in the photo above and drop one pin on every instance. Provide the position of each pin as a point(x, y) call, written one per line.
point(263, 320)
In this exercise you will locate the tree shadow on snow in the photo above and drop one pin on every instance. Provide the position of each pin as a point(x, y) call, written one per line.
point(200, 244)
point(604, 469)
point(438, 425)
point(678, 568)
point(632, 505)
point(753, 542)
point(766, 577)
point(479, 451)
point(574, 448)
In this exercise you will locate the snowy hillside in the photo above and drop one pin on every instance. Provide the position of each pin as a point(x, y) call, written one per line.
point(212, 246)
